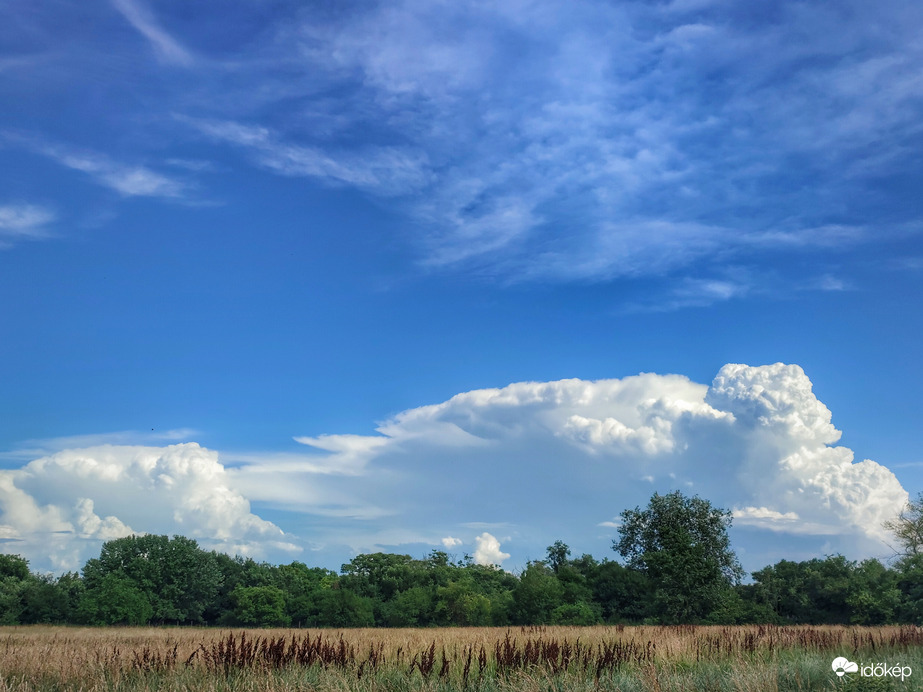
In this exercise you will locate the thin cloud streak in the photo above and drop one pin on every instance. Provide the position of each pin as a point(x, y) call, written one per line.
point(383, 171)
point(168, 49)
point(126, 179)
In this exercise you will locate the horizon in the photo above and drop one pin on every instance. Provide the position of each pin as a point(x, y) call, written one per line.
point(305, 282)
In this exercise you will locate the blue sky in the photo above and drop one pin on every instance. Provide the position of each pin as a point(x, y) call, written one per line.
point(270, 272)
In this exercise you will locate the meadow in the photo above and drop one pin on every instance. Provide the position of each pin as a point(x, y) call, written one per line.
point(752, 658)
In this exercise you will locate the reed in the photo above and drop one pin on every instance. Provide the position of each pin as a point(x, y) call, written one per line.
point(478, 659)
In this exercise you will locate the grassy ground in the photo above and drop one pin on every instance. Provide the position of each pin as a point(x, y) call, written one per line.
point(557, 659)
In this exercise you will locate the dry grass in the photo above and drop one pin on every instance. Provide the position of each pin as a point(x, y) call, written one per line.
point(544, 658)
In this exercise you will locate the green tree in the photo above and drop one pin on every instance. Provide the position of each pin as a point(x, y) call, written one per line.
point(115, 600)
point(623, 594)
point(537, 595)
point(340, 607)
point(874, 597)
point(377, 575)
point(260, 606)
point(43, 602)
point(300, 586)
point(460, 603)
point(497, 585)
point(781, 587)
point(14, 580)
point(558, 553)
point(910, 584)
point(415, 607)
point(824, 591)
point(11, 600)
point(178, 580)
point(682, 545)
point(14, 566)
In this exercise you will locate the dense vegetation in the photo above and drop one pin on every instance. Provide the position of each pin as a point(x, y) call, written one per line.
point(678, 568)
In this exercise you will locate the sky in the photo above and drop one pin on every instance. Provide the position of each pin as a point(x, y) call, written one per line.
point(304, 280)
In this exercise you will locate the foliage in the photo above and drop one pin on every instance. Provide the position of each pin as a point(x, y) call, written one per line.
point(682, 545)
point(14, 567)
point(175, 577)
point(623, 594)
point(260, 606)
point(537, 595)
point(679, 569)
point(910, 584)
point(115, 599)
point(832, 590)
point(557, 555)
point(343, 608)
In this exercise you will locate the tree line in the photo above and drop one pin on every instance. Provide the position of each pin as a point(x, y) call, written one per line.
point(677, 566)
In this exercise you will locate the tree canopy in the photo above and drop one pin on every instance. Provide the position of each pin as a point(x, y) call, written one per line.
point(678, 568)
point(681, 544)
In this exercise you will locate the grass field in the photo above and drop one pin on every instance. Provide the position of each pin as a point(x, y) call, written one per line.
point(754, 658)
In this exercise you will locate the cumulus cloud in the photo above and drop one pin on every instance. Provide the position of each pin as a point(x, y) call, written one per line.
point(488, 550)
point(536, 461)
point(539, 456)
point(63, 505)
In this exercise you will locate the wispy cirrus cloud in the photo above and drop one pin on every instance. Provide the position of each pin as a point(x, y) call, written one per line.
point(129, 180)
point(544, 142)
point(380, 170)
point(168, 49)
point(599, 142)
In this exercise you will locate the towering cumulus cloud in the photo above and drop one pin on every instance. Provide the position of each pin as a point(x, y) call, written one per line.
point(522, 465)
point(551, 456)
point(789, 470)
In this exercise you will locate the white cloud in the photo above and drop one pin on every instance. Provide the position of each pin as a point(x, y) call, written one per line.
point(565, 143)
point(130, 181)
point(126, 179)
point(60, 507)
point(18, 221)
point(348, 453)
point(788, 464)
point(451, 542)
point(757, 440)
point(534, 460)
point(89, 525)
point(168, 48)
point(380, 170)
point(488, 550)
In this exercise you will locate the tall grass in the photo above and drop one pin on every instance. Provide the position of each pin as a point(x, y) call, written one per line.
point(751, 658)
